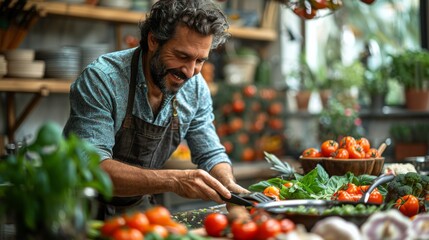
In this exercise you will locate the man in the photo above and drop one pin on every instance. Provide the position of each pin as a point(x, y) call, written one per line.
point(137, 105)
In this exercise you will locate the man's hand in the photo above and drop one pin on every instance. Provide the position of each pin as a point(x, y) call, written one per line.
point(199, 184)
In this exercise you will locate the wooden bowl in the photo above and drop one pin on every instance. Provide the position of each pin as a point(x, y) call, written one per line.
point(339, 167)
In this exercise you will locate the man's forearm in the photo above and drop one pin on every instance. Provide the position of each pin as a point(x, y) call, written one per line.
point(130, 180)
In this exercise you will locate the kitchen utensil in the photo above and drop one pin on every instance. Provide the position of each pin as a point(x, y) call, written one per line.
point(384, 178)
point(247, 199)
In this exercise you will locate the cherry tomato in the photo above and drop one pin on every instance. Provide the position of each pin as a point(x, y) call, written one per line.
point(364, 143)
point(372, 153)
point(288, 184)
point(286, 225)
point(137, 220)
point(311, 152)
point(328, 148)
point(158, 215)
point(408, 205)
point(244, 230)
point(127, 234)
point(355, 151)
point(341, 153)
point(111, 225)
point(268, 229)
point(347, 141)
point(215, 224)
point(158, 229)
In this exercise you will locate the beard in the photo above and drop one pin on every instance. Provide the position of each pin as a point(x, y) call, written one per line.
point(159, 71)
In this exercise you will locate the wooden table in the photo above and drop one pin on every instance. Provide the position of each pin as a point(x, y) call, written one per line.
point(38, 87)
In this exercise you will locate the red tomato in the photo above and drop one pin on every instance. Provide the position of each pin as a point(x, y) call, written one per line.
point(268, 229)
point(158, 229)
point(158, 215)
point(364, 143)
point(353, 189)
point(372, 153)
point(328, 148)
point(375, 197)
point(355, 152)
point(408, 205)
point(311, 152)
point(249, 90)
point(238, 106)
point(137, 220)
point(286, 225)
point(346, 141)
point(244, 230)
point(341, 153)
point(127, 234)
point(111, 225)
point(215, 224)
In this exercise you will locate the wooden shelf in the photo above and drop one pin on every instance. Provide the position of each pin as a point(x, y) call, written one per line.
point(44, 86)
point(122, 16)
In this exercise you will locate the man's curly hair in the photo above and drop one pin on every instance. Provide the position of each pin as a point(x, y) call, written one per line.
point(203, 16)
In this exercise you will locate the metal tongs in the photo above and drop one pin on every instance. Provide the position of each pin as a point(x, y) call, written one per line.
point(247, 199)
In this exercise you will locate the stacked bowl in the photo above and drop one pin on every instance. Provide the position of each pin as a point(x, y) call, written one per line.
point(21, 64)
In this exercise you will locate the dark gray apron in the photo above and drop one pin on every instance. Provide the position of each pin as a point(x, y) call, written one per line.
point(141, 144)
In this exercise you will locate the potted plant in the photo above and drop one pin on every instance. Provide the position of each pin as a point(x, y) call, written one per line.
point(347, 79)
point(307, 83)
point(376, 86)
point(43, 186)
point(410, 140)
point(411, 69)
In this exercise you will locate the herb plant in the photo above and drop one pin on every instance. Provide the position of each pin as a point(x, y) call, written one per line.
point(42, 185)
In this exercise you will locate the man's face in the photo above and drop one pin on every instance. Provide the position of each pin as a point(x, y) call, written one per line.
point(179, 59)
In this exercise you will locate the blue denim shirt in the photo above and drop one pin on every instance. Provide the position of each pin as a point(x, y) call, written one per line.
point(98, 101)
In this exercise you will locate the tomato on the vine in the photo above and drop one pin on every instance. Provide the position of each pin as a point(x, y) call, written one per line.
point(311, 152)
point(408, 205)
point(355, 151)
point(341, 153)
point(215, 224)
point(364, 143)
point(328, 148)
point(243, 230)
point(127, 234)
point(268, 229)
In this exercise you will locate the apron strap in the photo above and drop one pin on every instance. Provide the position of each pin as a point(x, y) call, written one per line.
point(133, 81)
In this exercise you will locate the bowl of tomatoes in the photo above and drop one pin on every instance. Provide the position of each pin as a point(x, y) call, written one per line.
point(346, 155)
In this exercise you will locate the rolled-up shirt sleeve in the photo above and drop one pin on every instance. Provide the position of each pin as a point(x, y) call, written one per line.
point(91, 111)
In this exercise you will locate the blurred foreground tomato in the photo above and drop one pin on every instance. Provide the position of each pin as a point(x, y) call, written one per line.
point(111, 225)
point(244, 230)
point(158, 215)
point(215, 224)
point(127, 234)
